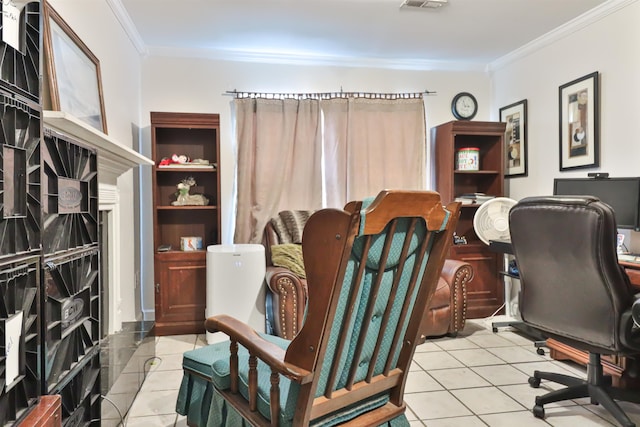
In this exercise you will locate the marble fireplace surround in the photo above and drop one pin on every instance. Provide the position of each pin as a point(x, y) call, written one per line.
point(114, 159)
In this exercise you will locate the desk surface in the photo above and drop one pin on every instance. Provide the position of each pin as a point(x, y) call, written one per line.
point(632, 265)
point(632, 259)
point(630, 262)
point(504, 246)
point(633, 271)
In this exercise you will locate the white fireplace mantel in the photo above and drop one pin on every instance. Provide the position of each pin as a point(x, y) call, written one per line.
point(114, 159)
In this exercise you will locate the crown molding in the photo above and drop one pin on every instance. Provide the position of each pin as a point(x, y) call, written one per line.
point(576, 24)
point(328, 60)
point(127, 24)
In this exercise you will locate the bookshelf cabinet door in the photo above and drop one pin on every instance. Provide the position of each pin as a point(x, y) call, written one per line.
point(180, 294)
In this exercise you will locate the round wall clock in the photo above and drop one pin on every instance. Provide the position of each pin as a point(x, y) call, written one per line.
point(464, 106)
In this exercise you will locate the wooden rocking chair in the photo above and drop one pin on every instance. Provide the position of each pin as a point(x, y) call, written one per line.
point(371, 270)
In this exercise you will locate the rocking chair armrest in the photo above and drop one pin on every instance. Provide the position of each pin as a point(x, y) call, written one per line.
point(264, 350)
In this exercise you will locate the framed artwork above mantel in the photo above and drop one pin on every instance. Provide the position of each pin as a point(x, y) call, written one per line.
point(72, 80)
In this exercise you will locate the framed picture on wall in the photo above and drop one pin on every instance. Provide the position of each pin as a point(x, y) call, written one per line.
point(73, 72)
point(515, 150)
point(579, 123)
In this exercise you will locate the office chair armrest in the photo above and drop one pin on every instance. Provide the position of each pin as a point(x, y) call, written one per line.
point(630, 326)
point(635, 310)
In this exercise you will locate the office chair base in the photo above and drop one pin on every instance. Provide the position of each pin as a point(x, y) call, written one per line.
point(597, 387)
point(539, 340)
point(538, 412)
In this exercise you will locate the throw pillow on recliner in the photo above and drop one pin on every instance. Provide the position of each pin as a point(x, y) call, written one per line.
point(289, 225)
point(289, 255)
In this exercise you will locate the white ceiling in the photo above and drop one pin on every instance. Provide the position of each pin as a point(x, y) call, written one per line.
point(462, 34)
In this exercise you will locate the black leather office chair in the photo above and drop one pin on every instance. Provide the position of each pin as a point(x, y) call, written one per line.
point(574, 291)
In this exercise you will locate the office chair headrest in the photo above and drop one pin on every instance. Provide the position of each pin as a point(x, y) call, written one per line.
point(559, 200)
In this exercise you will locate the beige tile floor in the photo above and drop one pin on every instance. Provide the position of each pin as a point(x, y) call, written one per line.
point(477, 379)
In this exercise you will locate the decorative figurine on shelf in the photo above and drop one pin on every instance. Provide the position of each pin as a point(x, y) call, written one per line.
point(176, 159)
point(186, 199)
point(183, 161)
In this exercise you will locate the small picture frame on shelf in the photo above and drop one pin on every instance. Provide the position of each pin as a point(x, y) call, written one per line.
point(515, 116)
point(579, 123)
point(191, 243)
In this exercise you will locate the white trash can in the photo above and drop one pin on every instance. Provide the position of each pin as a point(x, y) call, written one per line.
point(235, 276)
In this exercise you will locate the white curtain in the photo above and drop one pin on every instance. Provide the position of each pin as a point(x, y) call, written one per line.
point(371, 145)
point(287, 154)
point(279, 161)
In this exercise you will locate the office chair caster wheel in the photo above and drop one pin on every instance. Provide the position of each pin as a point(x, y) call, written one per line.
point(538, 412)
point(540, 351)
point(535, 383)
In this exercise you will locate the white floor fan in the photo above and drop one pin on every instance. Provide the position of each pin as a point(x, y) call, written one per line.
point(491, 222)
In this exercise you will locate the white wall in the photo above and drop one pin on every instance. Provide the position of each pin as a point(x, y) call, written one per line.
point(120, 66)
point(197, 85)
point(133, 87)
point(609, 46)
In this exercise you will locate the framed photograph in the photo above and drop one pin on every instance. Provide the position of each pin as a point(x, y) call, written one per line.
point(515, 139)
point(579, 123)
point(73, 72)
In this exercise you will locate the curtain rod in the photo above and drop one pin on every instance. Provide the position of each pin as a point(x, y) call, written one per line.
point(326, 95)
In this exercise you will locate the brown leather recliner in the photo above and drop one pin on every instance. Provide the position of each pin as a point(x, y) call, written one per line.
point(287, 296)
point(446, 314)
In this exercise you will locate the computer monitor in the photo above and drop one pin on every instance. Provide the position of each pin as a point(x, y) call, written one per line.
point(622, 194)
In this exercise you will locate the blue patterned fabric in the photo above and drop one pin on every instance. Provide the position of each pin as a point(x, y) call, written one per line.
point(212, 361)
point(199, 400)
point(204, 406)
point(373, 331)
point(222, 414)
point(353, 411)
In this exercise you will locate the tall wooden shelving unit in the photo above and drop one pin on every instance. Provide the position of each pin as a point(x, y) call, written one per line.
point(485, 293)
point(180, 276)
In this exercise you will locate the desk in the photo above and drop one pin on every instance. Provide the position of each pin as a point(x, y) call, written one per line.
point(633, 271)
point(616, 366)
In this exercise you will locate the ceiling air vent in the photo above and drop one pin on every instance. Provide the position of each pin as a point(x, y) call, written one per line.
point(423, 4)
